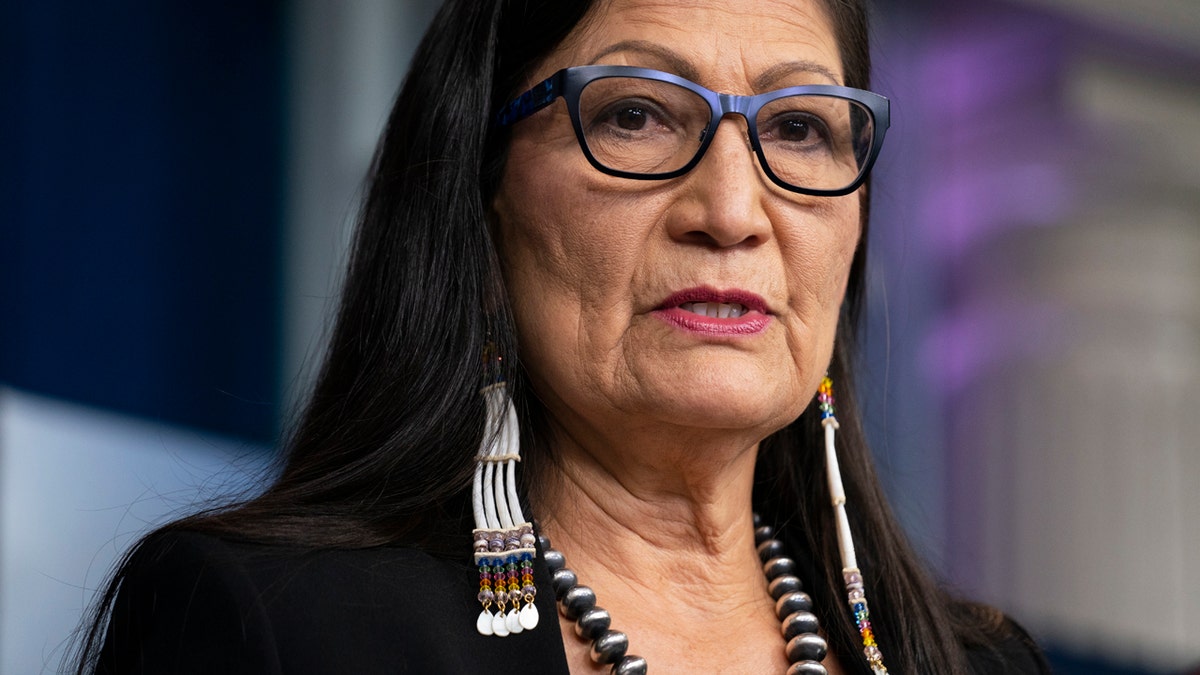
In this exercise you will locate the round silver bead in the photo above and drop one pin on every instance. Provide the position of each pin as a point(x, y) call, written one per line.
point(777, 567)
point(783, 585)
point(555, 560)
point(806, 647)
point(799, 623)
point(630, 665)
point(576, 601)
point(592, 623)
point(609, 647)
point(771, 548)
point(562, 580)
point(807, 668)
point(796, 601)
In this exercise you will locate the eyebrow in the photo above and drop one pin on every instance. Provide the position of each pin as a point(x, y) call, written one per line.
point(679, 66)
point(778, 71)
point(673, 61)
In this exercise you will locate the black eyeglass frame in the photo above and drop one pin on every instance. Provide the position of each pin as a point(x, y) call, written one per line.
point(569, 83)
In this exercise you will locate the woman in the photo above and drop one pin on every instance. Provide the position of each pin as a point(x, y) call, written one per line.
point(663, 276)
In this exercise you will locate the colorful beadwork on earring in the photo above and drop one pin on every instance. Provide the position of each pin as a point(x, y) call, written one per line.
point(825, 401)
point(505, 561)
point(862, 618)
point(850, 573)
point(503, 540)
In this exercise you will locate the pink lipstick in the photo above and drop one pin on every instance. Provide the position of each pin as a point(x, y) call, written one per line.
point(709, 311)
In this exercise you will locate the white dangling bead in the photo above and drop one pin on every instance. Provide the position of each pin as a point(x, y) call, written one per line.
point(499, 625)
point(529, 616)
point(496, 506)
point(484, 623)
point(513, 622)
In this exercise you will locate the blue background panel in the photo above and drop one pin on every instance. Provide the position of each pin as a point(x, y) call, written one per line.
point(142, 171)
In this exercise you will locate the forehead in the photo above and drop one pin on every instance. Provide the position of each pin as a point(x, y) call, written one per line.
point(724, 43)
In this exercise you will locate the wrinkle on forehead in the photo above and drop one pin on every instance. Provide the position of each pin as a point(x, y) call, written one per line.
point(787, 35)
point(680, 66)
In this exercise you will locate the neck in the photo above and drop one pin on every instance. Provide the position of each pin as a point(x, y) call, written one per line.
point(674, 524)
point(668, 547)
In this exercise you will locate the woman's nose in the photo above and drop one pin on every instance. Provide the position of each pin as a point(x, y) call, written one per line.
point(722, 203)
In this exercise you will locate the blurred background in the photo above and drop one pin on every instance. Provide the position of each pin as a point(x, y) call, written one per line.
point(178, 179)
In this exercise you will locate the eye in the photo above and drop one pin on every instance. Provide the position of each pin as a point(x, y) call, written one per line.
point(640, 125)
point(800, 129)
point(795, 130)
point(631, 118)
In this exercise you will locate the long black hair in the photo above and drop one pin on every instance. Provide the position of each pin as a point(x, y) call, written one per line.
point(384, 450)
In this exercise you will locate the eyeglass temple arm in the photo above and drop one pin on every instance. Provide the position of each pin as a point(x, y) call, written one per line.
point(531, 101)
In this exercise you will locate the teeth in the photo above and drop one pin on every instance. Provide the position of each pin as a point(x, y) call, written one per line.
point(714, 310)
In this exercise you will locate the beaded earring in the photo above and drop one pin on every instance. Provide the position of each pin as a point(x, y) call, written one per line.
point(504, 540)
point(850, 572)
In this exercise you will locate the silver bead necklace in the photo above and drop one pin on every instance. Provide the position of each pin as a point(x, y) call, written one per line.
point(805, 647)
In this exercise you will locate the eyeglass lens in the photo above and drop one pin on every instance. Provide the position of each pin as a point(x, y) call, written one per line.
point(651, 127)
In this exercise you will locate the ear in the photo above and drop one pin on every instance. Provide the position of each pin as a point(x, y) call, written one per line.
point(495, 293)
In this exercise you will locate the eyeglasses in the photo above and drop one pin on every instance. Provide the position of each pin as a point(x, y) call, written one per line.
point(815, 139)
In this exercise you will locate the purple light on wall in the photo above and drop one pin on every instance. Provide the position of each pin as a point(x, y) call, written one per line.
point(998, 143)
point(970, 207)
point(964, 346)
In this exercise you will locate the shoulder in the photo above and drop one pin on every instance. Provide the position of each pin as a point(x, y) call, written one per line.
point(182, 596)
point(192, 602)
point(1013, 651)
point(274, 574)
point(201, 569)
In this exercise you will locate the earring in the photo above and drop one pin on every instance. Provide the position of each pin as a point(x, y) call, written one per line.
point(504, 540)
point(850, 572)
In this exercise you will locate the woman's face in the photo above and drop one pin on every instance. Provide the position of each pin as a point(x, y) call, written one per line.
point(605, 273)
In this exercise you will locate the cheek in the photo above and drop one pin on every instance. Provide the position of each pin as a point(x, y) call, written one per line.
point(537, 251)
point(817, 263)
point(541, 280)
point(570, 252)
point(568, 233)
point(818, 257)
point(556, 253)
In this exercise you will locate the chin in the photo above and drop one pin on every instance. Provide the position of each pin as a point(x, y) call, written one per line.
point(709, 406)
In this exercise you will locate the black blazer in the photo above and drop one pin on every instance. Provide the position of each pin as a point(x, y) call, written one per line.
point(195, 603)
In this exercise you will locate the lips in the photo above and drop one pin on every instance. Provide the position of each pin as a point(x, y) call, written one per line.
point(708, 297)
point(715, 310)
point(709, 311)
